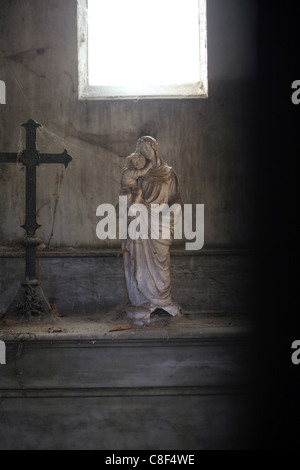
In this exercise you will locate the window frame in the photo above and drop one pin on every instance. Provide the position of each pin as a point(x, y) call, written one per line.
point(186, 91)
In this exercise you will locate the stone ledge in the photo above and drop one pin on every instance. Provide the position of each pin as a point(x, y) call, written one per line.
point(112, 253)
point(202, 337)
point(238, 389)
point(141, 366)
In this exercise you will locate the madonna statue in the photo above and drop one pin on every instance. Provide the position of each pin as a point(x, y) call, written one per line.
point(147, 260)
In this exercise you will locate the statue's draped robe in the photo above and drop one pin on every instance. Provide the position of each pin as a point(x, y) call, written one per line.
point(147, 261)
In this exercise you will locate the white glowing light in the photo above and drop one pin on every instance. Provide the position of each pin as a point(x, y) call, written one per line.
point(137, 43)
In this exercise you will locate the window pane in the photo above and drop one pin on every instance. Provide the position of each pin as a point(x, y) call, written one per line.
point(143, 42)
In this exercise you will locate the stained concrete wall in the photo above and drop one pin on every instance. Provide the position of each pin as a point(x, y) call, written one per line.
point(211, 143)
point(95, 282)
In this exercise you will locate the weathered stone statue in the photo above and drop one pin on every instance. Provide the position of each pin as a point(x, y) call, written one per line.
point(149, 181)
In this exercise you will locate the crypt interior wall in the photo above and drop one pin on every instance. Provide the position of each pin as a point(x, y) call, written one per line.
point(211, 143)
point(168, 388)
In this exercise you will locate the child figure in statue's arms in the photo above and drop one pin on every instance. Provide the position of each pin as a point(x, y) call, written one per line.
point(136, 167)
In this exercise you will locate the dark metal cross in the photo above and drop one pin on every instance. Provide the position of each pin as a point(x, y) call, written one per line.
point(30, 301)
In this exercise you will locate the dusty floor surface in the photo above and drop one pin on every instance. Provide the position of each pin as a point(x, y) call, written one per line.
point(115, 325)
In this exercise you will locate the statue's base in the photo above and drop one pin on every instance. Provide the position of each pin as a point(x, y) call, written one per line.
point(142, 315)
point(30, 303)
point(139, 315)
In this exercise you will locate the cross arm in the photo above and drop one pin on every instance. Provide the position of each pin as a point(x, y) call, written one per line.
point(8, 157)
point(63, 158)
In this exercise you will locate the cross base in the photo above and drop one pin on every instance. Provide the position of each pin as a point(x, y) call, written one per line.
point(30, 303)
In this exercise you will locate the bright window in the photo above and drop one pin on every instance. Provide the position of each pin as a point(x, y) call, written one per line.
point(142, 49)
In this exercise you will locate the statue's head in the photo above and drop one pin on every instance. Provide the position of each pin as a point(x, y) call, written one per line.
point(149, 148)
